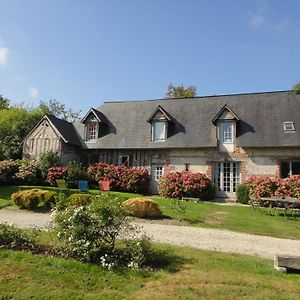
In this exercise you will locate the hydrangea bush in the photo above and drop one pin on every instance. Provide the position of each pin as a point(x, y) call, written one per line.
point(184, 184)
point(8, 170)
point(121, 178)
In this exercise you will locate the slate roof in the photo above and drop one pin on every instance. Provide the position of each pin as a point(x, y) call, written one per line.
point(261, 117)
point(66, 130)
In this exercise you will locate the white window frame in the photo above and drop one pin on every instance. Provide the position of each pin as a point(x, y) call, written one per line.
point(164, 123)
point(121, 159)
point(89, 136)
point(226, 137)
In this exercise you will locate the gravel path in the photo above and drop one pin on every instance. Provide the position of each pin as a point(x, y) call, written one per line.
point(201, 238)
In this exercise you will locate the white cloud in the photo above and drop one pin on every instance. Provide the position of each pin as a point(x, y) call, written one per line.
point(260, 18)
point(33, 92)
point(4, 56)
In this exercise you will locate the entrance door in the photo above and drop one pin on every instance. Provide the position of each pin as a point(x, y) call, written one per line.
point(157, 171)
point(226, 178)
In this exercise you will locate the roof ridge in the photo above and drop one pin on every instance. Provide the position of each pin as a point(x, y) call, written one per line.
point(199, 97)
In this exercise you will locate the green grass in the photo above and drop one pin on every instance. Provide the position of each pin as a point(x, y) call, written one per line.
point(187, 274)
point(236, 218)
point(206, 214)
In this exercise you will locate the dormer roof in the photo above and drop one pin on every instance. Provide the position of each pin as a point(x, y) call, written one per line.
point(96, 113)
point(158, 114)
point(225, 113)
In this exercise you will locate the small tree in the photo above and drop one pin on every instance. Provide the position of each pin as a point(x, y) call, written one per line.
point(48, 159)
point(180, 91)
point(296, 88)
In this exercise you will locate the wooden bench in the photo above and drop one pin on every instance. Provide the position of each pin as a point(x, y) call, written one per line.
point(190, 199)
point(283, 263)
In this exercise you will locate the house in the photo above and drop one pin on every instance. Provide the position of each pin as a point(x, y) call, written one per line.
point(227, 137)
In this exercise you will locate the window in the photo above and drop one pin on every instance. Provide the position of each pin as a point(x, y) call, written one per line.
point(288, 127)
point(91, 131)
point(226, 134)
point(158, 131)
point(289, 168)
point(124, 160)
point(158, 172)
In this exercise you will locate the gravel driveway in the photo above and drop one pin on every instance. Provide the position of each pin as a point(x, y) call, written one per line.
point(201, 238)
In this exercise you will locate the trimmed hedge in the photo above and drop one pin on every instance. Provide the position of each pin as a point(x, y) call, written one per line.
point(30, 199)
point(143, 207)
point(80, 199)
point(242, 194)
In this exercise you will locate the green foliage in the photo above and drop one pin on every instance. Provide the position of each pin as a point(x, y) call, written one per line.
point(15, 124)
point(89, 233)
point(180, 91)
point(80, 199)
point(48, 159)
point(17, 239)
point(55, 108)
point(30, 199)
point(242, 194)
point(296, 88)
point(74, 174)
point(4, 103)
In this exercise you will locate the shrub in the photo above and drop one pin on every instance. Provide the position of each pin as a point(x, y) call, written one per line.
point(242, 194)
point(30, 199)
point(29, 172)
point(56, 173)
point(143, 207)
point(74, 174)
point(288, 187)
point(121, 178)
point(8, 170)
point(90, 234)
point(48, 159)
point(80, 199)
point(261, 186)
point(17, 239)
point(184, 184)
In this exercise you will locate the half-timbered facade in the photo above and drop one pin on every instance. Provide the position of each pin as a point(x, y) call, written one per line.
point(226, 137)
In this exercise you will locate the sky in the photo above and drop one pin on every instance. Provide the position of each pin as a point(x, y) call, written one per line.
point(86, 52)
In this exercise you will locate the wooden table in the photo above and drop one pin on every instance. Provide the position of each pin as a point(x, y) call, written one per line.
point(285, 205)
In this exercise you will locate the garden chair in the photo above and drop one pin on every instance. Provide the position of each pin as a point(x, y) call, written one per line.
point(104, 185)
point(61, 184)
point(83, 185)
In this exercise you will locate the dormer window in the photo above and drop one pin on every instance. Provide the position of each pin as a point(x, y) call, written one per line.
point(159, 121)
point(92, 121)
point(159, 131)
point(92, 129)
point(226, 132)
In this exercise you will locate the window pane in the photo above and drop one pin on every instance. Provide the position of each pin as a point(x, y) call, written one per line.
point(159, 131)
point(284, 169)
point(227, 132)
point(295, 167)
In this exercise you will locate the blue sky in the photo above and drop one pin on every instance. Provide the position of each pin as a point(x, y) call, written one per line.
point(86, 52)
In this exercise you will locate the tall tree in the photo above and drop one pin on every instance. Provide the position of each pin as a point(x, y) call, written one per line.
point(56, 108)
point(4, 103)
point(180, 91)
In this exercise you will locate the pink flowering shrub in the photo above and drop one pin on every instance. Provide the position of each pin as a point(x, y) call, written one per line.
point(56, 173)
point(8, 170)
point(267, 187)
point(121, 178)
point(288, 187)
point(184, 184)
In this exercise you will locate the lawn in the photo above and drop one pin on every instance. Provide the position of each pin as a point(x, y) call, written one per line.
point(186, 274)
point(206, 214)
